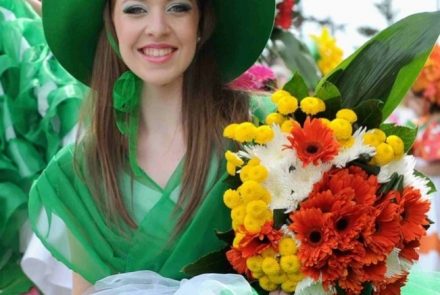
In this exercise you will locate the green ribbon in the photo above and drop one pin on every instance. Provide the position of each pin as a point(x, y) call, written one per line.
point(126, 93)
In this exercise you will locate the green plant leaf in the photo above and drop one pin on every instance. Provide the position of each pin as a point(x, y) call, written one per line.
point(387, 65)
point(430, 184)
point(332, 97)
point(296, 86)
point(227, 236)
point(296, 56)
point(407, 134)
point(369, 113)
point(215, 262)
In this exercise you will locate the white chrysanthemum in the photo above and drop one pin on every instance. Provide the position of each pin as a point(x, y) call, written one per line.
point(393, 264)
point(349, 154)
point(285, 230)
point(404, 166)
point(419, 183)
point(307, 286)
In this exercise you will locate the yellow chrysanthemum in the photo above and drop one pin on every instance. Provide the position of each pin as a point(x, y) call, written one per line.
point(256, 173)
point(258, 274)
point(371, 139)
point(233, 158)
point(245, 132)
point(264, 134)
point(381, 136)
point(397, 144)
point(267, 284)
point(238, 214)
point(288, 125)
point(384, 154)
point(287, 246)
point(347, 143)
point(256, 209)
point(347, 114)
point(325, 121)
point(229, 131)
point(237, 239)
point(274, 118)
point(252, 225)
point(342, 129)
point(278, 278)
point(277, 95)
point(289, 286)
point(289, 263)
point(254, 162)
point(270, 266)
point(231, 168)
point(251, 191)
point(312, 105)
point(269, 252)
point(330, 55)
point(231, 198)
point(287, 105)
point(254, 263)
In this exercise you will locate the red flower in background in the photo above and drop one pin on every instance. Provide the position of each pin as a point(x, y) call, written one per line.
point(285, 13)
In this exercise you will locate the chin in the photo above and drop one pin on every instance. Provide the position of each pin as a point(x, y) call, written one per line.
point(160, 80)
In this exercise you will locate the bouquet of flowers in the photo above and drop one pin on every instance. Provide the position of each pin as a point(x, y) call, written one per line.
point(324, 198)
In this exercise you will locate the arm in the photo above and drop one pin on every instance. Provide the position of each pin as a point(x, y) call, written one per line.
point(79, 284)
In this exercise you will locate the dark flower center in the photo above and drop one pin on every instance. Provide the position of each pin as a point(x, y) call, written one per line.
point(341, 224)
point(312, 149)
point(315, 237)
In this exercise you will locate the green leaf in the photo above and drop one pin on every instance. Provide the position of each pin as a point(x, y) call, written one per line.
point(296, 56)
point(297, 87)
point(368, 289)
point(430, 184)
point(394, 184)
point(407, 134)
point(369, 113)
point(332, 97)
point(227, 236)
point(387, 65)
point(215, 262)
point(279, 218)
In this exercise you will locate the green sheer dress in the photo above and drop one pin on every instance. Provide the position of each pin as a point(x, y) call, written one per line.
point(65, 217)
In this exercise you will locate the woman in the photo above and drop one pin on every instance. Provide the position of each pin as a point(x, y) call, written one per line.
point(142, 187)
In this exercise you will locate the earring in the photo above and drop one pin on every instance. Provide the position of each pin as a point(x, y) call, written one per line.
point(198, 39)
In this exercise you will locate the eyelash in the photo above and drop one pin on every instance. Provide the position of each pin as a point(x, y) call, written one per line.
point(177, 8)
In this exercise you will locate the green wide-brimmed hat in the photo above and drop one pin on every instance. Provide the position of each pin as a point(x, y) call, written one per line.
point(72, 28)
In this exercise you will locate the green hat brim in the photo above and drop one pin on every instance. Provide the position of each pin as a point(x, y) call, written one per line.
point(72, 30)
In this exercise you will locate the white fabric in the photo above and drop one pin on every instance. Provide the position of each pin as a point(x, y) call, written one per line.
point(151, 283)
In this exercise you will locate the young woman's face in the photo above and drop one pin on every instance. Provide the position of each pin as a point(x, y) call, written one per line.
point(157, 38)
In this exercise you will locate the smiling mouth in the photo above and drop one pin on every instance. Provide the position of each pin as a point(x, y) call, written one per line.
point(157, 52)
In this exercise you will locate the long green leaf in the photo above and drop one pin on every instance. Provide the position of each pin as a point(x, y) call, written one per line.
point(387, 65)
point(215, 262)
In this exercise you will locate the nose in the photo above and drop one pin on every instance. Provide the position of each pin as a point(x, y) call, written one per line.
point(157, 23)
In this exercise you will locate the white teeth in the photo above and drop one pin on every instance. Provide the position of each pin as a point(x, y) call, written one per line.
point(156, 52)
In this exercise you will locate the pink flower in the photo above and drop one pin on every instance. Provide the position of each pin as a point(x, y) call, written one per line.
point(257, 78)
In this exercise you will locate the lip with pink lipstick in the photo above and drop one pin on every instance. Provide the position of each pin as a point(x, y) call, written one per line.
point(157, 53)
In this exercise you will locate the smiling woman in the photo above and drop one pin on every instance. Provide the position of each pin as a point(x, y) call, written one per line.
point(142, 188)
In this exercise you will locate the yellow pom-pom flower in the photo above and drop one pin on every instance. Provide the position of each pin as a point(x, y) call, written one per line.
point(256, 209)
point(245, 132)
point(233, 158)
point(229, 131)
point(269, 252)
point(289, 263)
point(278, 278)
point(347, 114)
point(231, 168)
point(237, 239)
point(238, 214)
point(277, 95)
point(270, 266)
point(289, 286)
point(258, 274)
point(342, 129)
point(267, 284)
point(287, 246)
point(347, 143)
point(264, 134)
point(274, 118)
point(371, 139)
point(397, 144)
point(254, 263)
point(384, 154)
point(381, 136)
point(258, 173)
point(288, 125)
point(254, 162)
point(252, 225)
point(312, 105)
point(251, 191)
point(231, 198)
point(287, 105)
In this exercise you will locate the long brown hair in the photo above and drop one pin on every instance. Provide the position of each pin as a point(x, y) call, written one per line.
point(207, 107)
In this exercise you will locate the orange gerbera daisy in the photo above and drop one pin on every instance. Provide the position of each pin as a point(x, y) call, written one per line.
point(383, 233)
point(236, 259)
point(317, 237)
point(413, 212)
point(314, 142)
point(252, 245)
point(409, 250)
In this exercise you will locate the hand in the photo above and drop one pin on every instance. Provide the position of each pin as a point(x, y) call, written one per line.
point(36, 5)
point(278, 292)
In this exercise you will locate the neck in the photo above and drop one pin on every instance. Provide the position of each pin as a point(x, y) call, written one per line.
point(161, 108)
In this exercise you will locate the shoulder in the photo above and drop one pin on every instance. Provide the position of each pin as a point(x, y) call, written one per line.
point(261, 105)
